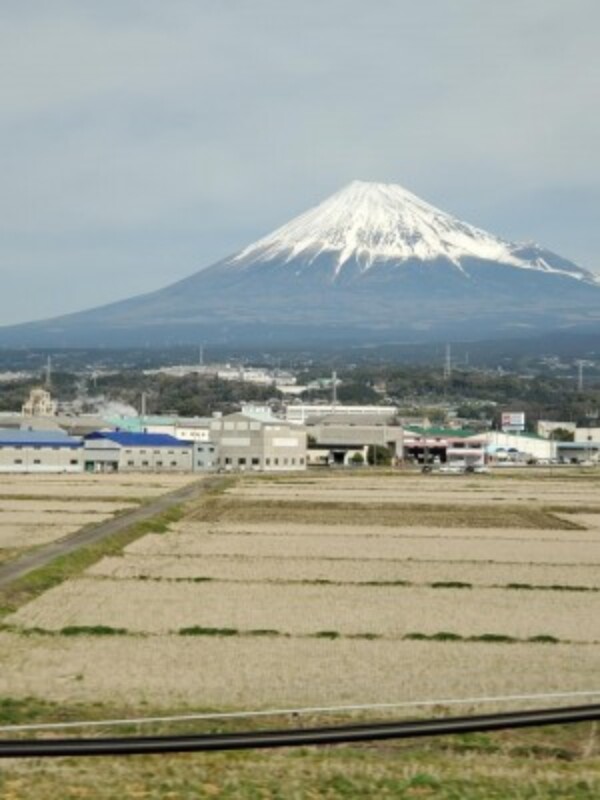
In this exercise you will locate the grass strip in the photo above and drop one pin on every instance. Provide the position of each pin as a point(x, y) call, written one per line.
point(30, 586)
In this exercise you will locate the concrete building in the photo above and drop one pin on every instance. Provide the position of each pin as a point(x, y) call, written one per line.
point(249, 442)
point(545, 428)
point(188, 429)
point(449, 446)
point(136, 452)
point(205, 455)
point(25, 451)
point(518, 447)
point(39, 404)
point(586, 435)
point(334, 442)
point(304, 413)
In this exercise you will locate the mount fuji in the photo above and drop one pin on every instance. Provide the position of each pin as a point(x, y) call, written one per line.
point(371, 262)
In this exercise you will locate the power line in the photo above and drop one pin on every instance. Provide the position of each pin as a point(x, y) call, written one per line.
point(295, 737)
point(280, 712)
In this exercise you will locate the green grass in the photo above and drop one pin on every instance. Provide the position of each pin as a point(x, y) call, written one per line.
point(526, 765)
point(199, 630)
point(451, 585)
point(326, 635)
point(92, 630)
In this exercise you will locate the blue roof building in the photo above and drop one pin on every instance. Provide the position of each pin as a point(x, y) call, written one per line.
point(131, 439)
point(31, 451)
point(126, 451)
point(32, 438)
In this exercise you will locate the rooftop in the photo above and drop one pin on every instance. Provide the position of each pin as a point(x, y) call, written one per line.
point(131, 439)
point(37, 438)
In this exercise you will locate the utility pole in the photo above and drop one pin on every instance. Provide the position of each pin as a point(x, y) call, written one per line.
point(448, 363)
point(334, 388)
point(580, 376)
point(49, 372)
point(143, 409)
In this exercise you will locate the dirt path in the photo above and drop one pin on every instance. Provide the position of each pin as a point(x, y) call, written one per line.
point(42, 556)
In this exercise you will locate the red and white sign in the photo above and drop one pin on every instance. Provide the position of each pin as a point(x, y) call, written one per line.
point(513, 421)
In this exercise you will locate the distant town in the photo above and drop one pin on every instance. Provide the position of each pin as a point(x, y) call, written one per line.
point(236, 417)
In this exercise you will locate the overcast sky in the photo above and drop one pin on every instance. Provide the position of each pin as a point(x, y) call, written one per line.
point(141, 140)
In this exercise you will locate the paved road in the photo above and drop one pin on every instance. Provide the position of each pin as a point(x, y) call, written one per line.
point(42, 556)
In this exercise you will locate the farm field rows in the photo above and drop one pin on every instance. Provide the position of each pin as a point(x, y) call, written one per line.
point(353, 593)
point(39, 509)
point(294, 600)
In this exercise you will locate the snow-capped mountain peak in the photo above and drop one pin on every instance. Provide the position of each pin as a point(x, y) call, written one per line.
point(372, 222)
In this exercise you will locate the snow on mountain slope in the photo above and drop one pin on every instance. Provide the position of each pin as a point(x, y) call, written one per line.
point(369, 223)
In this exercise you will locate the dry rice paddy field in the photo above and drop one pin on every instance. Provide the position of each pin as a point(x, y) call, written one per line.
point(38, 509)
point(323, 590)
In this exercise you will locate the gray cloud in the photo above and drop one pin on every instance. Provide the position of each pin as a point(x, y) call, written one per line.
point(142, 140)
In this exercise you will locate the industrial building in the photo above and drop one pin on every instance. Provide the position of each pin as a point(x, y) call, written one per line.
point(257, 442)
point(458, 448)
point(518, 447)
point(341, 439)
point(122, 451)
point(303, 413)
point(187, 429)
point(25, 451)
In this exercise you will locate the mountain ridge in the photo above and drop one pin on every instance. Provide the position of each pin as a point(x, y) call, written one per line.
point(371, 257)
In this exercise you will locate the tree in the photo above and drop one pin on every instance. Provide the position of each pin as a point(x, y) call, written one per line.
point(562, 435)
point(357, 459)
point(378, 455)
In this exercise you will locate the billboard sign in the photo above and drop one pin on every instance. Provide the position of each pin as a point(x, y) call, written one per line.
point(513, 421)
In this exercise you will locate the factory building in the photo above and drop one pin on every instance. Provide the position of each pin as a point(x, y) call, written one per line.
point(338, 439)
point(248, 442)
point(301, 414)
point(459, 448)
point(122, 451)
point(516, 447)
point(39, 451)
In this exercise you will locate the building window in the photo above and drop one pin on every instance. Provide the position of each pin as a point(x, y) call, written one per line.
point(285, 461)
point(73, 461)
point(173, 463)
point(144, 464)
point(293, 461)
point(256, 462)
point(159, 463)
point(131, 463)
point(201, 463)
point(301, 461)
point(268, 462)
point(18, 460)
point(36, 461)
point(276, 462)
point(228, 461)
point(242, 462)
